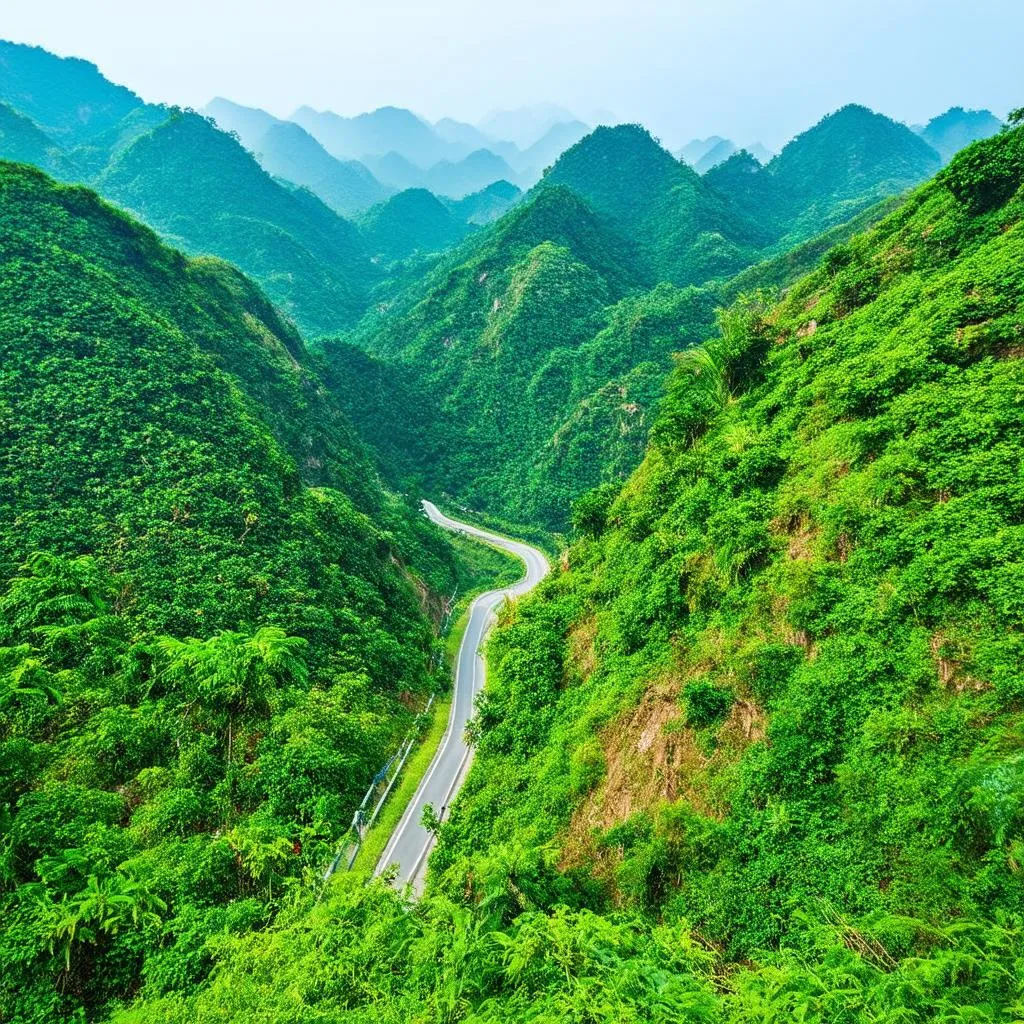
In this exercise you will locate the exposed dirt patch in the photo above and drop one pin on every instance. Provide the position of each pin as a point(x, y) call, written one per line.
point(653, 757)
point(949, 668)
point(802, 534)
point(582, 643)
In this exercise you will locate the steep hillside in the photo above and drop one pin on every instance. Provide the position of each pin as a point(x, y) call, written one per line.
point(23, 142)
point(412, 221)
point(754, 753)
point(286, 150)
point(686, 231)
point(212, 618)
point(828, 174)
point(957, 128)
point(203, 191)
point(542, 372)
point(67, 97)
point(790, 639)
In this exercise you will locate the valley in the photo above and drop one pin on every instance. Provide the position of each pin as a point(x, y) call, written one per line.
point(280, 397)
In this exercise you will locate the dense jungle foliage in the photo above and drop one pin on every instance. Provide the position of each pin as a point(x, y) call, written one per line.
point(214, 621)
point(754, 753)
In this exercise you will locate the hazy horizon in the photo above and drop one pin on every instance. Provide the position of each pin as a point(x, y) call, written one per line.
point(683, 73)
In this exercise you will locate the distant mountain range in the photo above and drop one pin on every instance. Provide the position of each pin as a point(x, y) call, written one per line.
point(323, 210)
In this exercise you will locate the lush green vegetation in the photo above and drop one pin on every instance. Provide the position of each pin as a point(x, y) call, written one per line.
point(532, 357)
point(214, 622)
point(203, 191)
point(826, 175)
point(67, 97)
point(754, 754)
point(412, 221)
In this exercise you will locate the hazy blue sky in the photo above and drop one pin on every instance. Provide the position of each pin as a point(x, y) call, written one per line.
point(751, 70)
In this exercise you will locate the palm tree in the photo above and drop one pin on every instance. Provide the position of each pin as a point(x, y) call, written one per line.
point(232, 674)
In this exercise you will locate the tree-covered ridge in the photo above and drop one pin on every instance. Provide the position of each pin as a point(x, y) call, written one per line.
point(203, 191)
point(542, 423)
point(411, 221)
point(24, 142)
point(213, 620)
point(685, 232)
point(67, 97)
point(826, 175)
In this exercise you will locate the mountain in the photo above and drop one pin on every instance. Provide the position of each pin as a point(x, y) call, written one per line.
point(471, 174)
point(759, 152)
point(250, 124)
point(686, 231)
point(718, 153)
point(828, 174)
point(522, 309)
point(395, 171)
point(525, 125)
point(752, 751)
point(412, 221)
point(203, 191)
point(488, 204)
point(696, 149)
point(213, 621)
point(389, 129)
point(93, 156)
point(466, 136)
point(549, 147)
point(23, 142)
point(950, 132)
point(703, 154)
point(66, 97)
point(290, 152)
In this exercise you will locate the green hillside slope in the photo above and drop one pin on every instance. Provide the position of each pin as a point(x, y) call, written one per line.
point(287, 151)
point(686, 232)
point(828, 174)
point(412, 221)
point(67, 97)
point(753, 753)
point(213, 620)
point(21, 141)
point(203, 191)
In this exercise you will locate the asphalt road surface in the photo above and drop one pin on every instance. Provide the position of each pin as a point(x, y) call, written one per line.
point(410, 844)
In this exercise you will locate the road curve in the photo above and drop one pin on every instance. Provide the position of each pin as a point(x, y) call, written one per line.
point(410, 844)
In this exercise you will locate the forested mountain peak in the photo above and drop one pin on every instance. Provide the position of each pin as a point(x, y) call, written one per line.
point(66, 96)
point(414, 220)
point(827, 174)
point(23, 141)
point(685, 231)
point(951, 131)
point(204, 190)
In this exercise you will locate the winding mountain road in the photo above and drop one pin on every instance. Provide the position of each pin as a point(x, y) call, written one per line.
point(410, 844)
